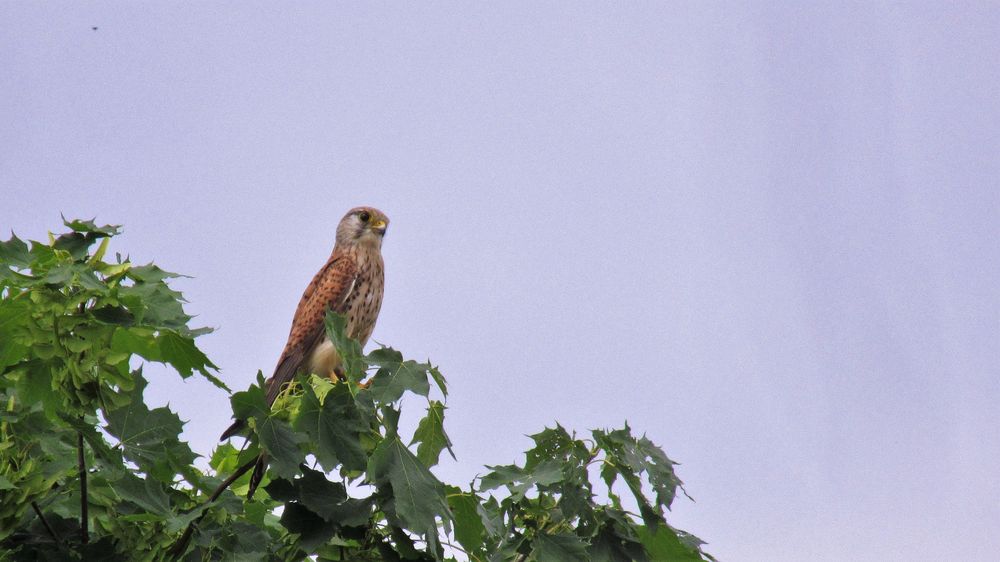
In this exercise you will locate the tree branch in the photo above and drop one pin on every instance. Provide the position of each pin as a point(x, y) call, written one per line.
point(181, 545)
point(45, 523)
point(84, 503)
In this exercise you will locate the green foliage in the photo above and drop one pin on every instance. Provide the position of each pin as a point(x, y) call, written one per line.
point(342, 484)
point(73, 328)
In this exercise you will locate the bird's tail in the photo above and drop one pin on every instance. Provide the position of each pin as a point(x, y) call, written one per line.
point(259, 467)
point(258, 474)
point(237, 427)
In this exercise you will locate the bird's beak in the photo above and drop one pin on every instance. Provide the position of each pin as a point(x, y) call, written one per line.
point(379, 226)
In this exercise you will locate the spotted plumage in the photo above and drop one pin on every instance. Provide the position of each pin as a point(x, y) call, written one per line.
point(349, 283)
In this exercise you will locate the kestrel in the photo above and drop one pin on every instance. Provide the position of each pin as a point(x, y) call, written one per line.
point(350, 283)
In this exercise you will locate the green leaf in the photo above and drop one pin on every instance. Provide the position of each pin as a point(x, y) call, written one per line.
point(225, 458)
point(282, 490)
point(520, 480)
point(630, 458)
point(558, 548)
point(13, 315)
point(282, 443)
point(660, 471)
point(616, 539)
point(99, 254)
point(250, 403)
point(575, 493)
point(239, 541)
point(151, 273)
point(663, 543)
point(335, 425)
point(491, 513)
point(555, 443)
point(431, 436)
point(169, 347)
point(117, 315)
point(109, 460)
point(14, 252)
point(87, 278)
point(147, 493)
point(547, 473)
point(77, 243)
point(181, 353)
point(469, 528)
point(42, 257)
point(330, 501)
point(35, 387)
point(154, 304)
point(319, 494)
point(78, 225)
point(396, 376)
point(140, 341)
point(439, 380)
point(60, 274)
point(76, 345)
point(348, 349)
point(419, 496)
point(177, 522)
point(149, 438)
point(313, 531)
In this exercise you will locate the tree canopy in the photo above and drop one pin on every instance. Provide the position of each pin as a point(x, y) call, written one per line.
point(88, 471)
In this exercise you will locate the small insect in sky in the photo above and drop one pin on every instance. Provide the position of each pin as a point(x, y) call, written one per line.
point(94, 28)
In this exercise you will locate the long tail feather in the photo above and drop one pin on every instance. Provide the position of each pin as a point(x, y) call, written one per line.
point(237, 427)
point(258, 474)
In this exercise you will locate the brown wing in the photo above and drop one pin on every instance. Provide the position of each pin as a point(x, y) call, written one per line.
point(328, 290)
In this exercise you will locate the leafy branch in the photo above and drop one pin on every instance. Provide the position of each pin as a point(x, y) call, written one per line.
point(343, 482)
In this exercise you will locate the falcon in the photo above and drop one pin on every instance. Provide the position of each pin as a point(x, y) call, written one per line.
point(349, 283)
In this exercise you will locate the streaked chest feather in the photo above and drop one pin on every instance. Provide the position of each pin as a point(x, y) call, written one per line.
point(363, 301)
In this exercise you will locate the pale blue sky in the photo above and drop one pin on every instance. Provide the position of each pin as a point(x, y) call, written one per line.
point(766, 234)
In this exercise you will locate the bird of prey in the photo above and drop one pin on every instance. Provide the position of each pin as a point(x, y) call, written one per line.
point(349, 283)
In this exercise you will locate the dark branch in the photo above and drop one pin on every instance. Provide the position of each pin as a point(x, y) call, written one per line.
point(181, 545)
point(82, 465)
point(45, 523)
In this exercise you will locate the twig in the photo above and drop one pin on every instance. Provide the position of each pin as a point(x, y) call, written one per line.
point(45, 522)
point(178, 549)
point(82, 463)
point(471, 556)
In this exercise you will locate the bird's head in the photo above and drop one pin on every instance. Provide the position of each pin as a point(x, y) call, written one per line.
point(362, 225)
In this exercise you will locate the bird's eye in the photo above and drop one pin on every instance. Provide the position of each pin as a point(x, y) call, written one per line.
point(364, 216)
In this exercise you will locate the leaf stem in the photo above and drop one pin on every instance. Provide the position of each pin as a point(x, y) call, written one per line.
point(84, 503)
point(471, 556)
point(45, 523)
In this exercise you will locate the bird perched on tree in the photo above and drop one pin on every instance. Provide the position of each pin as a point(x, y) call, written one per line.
point(349, 283)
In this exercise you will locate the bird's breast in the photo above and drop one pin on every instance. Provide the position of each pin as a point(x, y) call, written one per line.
point(324, 359)
point(362, 307)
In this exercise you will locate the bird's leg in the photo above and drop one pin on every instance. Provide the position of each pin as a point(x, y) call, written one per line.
point(338, 375)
